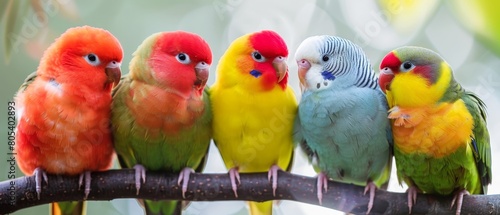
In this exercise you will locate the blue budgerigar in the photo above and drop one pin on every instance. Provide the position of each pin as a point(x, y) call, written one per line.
point(342, 120)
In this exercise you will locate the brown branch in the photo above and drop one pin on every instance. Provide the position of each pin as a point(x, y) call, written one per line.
point(115, 184)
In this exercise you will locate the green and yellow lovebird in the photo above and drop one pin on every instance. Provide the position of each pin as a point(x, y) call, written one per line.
point(161, 115)
point(441, 143)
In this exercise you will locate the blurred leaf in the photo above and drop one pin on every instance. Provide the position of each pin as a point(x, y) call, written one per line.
point(3, 4)
point(407, 16)
point(20, 29)
point(10, 21)
point(481, 17)
point(15, 16)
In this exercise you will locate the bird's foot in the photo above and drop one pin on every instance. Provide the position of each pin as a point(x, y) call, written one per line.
point(458, 198)
point(40, 175)
point(322, 183)
point(412, 196)
point(140, 174)
point(184, 178)
point(85, 176)
point(273, 173)
point(234, 176)
point(372, 188)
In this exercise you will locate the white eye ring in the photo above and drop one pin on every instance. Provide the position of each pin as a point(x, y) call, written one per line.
point(406, 66)
point(258, 57)
point(183, 58)
point(92, 59)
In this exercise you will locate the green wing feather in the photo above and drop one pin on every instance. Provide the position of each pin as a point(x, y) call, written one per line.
point(481, 139)
point(31, 77)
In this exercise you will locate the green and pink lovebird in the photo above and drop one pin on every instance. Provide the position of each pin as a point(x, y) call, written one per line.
point(161, 115)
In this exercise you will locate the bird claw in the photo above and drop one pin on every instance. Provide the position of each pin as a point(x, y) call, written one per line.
point(140, 174)
point(273, 173)
point(322, 183)
point(184, 178)
point(85, 175)
point(40, 175)
point(372, 188)
point(234, 176)
point(458, 198)
point(412, 196)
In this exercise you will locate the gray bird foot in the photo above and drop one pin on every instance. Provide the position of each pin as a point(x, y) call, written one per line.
point(322, 183)
point(85, 175)
point(40, 175)
point(234, 176)
point(140, 174)
point(273, 173)
point(184, 178)
point(458, 198)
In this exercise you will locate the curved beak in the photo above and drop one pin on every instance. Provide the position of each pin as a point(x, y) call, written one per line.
point(303, 66)
point(201, 70)
point(279, 64)
point(113, 72)
point(385, 78)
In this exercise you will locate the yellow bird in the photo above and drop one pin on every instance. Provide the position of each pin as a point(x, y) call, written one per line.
point(254, 109)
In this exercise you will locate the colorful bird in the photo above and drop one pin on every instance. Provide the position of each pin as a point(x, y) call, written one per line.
point(64, 109)
point(254, 109)
point(342, 120)
point(441, 143)
point(161, 114)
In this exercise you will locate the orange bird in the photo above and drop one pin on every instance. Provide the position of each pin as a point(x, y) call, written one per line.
point(63, 109)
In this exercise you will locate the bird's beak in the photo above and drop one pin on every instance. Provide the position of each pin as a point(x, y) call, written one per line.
point(279, 64)
point(201, 70)
point(303, 66)
point(113, 72)
point(385, 78)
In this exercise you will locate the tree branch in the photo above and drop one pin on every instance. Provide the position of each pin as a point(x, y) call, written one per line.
point(20, 193)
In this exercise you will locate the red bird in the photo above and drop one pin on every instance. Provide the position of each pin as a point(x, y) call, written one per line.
point(64, 109)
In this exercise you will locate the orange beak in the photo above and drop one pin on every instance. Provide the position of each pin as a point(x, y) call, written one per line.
point(279, 64)
point(202, 71)
point(113, 72)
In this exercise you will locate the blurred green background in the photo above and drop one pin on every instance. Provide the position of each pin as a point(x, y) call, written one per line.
point(465, 33)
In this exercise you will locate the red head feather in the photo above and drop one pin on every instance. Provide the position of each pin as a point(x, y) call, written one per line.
point(270, 45)
point(68, 53)
point(169, 71)
point(388, 66)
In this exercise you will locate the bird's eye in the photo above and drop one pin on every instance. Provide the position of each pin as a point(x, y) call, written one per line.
point(325, 58)
point(183, 58)
point(258, 57)
point(406, 66)
point(92, 59)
